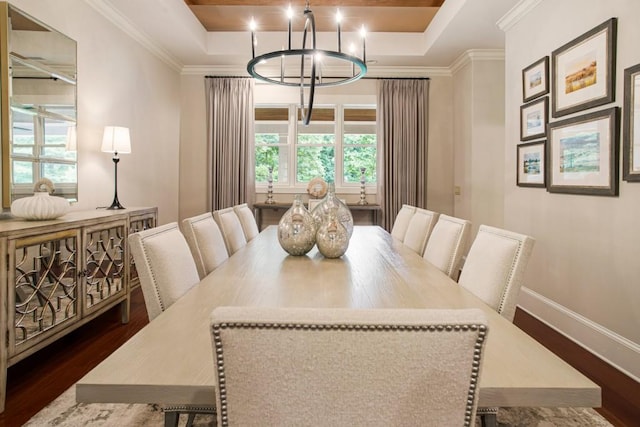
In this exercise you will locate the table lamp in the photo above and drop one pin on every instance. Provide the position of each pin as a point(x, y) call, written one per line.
point(116, 140)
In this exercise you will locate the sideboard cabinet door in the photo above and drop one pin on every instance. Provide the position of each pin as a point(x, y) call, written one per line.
point(42, 270)
point(105, 264)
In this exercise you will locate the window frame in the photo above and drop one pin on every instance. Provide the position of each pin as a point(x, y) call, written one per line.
point(38, 159)
point(291, 186)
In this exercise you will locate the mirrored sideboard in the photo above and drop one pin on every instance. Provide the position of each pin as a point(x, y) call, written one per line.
point(60, 274)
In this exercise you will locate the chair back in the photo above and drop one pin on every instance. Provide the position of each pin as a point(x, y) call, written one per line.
point(345, 367)
point(401, 223)
point(247, 220)
point(447, 244)
point(231, 228)
point(206, 242)
point(495, 266)
point(165, 266)
point(419, 229)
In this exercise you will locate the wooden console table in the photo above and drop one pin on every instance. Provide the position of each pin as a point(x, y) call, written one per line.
point(373, 209)
point(59, 274)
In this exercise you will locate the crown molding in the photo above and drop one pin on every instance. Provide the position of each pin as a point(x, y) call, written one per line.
point(516, 13)
point(471, 55)
point(106, 9)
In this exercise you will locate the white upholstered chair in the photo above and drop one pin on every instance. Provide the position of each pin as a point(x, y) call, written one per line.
point(308, 367)
point(247, 220)
point(401, 223)
point(495, 266)
point(167, 271)
point(206, 242)
point(231, 228)
point(165, 266)
point(447, 244)
point(419, 229)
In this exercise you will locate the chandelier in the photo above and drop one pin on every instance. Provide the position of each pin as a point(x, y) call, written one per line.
point(311, 60)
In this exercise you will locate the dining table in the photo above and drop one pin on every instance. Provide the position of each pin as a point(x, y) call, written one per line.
point(170, 360)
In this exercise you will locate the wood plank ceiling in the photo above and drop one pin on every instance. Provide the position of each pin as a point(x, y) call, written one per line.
point(377, 16)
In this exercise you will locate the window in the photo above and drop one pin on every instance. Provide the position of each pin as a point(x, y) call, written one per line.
point(338, 143)
point(359, 145)
point(39, 150)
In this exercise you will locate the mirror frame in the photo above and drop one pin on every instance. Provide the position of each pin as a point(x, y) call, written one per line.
point(6, 85)
point(630, 137)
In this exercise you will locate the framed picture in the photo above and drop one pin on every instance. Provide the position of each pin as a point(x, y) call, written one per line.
point(584, 71)
point(583, 154)
point(631, 130)
point(535, 80)
point(531, 171)
point(533, 119)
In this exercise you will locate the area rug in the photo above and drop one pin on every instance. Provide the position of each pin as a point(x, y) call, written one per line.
point(65, 412)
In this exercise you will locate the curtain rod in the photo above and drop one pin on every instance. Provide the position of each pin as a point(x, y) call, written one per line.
point(327, 77)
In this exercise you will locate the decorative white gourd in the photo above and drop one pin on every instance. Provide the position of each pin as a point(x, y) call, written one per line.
point(41, 205)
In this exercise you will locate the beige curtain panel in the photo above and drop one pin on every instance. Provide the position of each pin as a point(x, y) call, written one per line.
point(402, 128)
point(230, 140)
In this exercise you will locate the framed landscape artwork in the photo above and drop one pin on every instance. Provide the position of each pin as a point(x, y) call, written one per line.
point(535, 79)
point(533, 119)
point(531, 171)
point(583, 154)
point(631, 130)
point(584, 71)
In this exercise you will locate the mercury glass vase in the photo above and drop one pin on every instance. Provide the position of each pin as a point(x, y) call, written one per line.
point(332, 237)
point(297, 229)
point(343, 213)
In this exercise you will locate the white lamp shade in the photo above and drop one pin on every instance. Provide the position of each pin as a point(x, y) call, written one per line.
point(116, 140)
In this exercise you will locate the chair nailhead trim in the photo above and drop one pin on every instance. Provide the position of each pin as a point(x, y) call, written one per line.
point(216, 329)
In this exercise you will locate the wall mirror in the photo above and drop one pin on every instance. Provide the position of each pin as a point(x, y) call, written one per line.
point(38, 106)
point(631, 130)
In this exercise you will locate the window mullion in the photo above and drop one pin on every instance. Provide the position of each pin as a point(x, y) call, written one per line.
point(293, 144)
point(338, 154)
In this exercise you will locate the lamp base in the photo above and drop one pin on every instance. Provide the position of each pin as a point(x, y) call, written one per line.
point(115, 205)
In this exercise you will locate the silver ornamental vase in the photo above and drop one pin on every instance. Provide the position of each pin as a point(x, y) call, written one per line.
point(343, 213)
point(332, 237)
point(297, 229)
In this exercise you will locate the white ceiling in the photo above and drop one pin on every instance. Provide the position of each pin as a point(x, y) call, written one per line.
point(175, 34)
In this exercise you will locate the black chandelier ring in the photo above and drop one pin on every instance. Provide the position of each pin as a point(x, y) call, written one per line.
point(332, 81)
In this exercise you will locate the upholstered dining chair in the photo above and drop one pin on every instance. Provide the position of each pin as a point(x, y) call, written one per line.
point(247, 220)
point(495, 266)
point(231, 228)
point(165, 266)
point(401, 223)
point(268, 360)
point(419, 229)
point(167, 271)
point(447, 244)
point(206, 242)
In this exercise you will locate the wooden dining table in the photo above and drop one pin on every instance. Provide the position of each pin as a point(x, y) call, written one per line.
point(170, 361)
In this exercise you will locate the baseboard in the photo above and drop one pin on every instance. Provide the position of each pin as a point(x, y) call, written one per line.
point(612, 348)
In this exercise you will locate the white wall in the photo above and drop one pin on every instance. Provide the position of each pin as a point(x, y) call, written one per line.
point(584, 275)
point(193, 150)
point(478, 128)
point(119, 83)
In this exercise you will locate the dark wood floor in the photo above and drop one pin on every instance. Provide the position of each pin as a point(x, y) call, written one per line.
point(39, 379)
